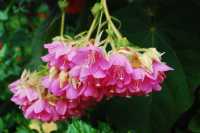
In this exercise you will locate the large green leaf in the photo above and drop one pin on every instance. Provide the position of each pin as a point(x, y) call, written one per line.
point(185, 44)
point(3, 15)
point(80, 127)
point(194, 125)
point(158, 112)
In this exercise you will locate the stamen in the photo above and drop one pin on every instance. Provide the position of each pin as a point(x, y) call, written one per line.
point(91, 58)
point(53, 72)
point(63, 76)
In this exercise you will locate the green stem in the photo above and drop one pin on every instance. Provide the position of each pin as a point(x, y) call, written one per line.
point(92, 28)
point(99, 26)
point(9, 6)
point(62, 25)
point(111, 41)
point(108, 17)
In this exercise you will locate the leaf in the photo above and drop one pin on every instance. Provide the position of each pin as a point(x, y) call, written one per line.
point(3, 51)
point(35, 125)
point(3, 16)
point(159, 111)
point(49, 127)
point(14, 23)
point(2, 30)
point(22, 129)
point(1, 125)
point(78, 126)
point(194, 125)
point(104, 128)
point(188, 55)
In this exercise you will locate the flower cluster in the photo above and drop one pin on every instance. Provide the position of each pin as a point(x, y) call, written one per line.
point(37, 102)
point(82, 71)
point(80, 77)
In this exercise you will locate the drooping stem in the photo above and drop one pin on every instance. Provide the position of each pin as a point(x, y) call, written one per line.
point(108, 17)
point(99, 25)
point(92, 27)
point(9, 6)
point(62, 27)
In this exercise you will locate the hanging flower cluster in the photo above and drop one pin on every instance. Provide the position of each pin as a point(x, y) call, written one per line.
point(82, 72)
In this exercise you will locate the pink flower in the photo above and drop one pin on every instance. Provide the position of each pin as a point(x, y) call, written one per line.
point(91, 92)
point(159, 68)
point(53, 86)
point(120, 72)
point(68, 109)
point(144, 83)
point(72, 92)
point(41, 110)
point(22, 96)
point(126, 80)
point(59, 55)
point(158, 75)
point(89, 61)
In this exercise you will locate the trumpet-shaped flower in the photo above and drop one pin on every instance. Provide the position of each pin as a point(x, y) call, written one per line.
point(89, 61)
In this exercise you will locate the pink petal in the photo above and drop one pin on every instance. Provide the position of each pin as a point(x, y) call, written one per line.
point(61, 107)
point(39, 106)
point(99, 74)
point(71, 93)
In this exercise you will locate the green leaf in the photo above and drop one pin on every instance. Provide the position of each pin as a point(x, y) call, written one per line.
point(188, 54)
point(194, 125)
point(159, 111)
point(14, 23)
point(3, 51)
point(1, 125)
point(2, 30)
point(104, 128)
point(22, 129)
point(78, 126)
point(3, 16)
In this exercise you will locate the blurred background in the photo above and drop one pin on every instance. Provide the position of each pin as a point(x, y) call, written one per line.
point(172, 26)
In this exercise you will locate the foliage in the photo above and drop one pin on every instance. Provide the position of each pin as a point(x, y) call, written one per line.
point(168, 25)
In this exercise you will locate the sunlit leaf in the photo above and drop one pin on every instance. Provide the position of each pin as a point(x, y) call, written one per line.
point(35, 125)
point(49, 127)
point(3, 16)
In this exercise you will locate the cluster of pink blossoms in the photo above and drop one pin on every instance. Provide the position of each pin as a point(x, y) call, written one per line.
point(80, 77)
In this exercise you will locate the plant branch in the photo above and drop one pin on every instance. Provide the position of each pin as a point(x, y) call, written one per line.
point(92, 28)
point(108, 17)
point(62, 24)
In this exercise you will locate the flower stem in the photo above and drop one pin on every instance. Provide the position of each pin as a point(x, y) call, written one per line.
point(92, 28)
point(99, 25)
point(9, 6)
point(62, 25)
point(108, 17)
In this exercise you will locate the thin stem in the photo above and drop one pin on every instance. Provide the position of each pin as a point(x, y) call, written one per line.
point(98, 34)
point(110, 39)
point(99, 26)
point(92, 28)
point(9, 6)
point(62, 24)
point(116, 31)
